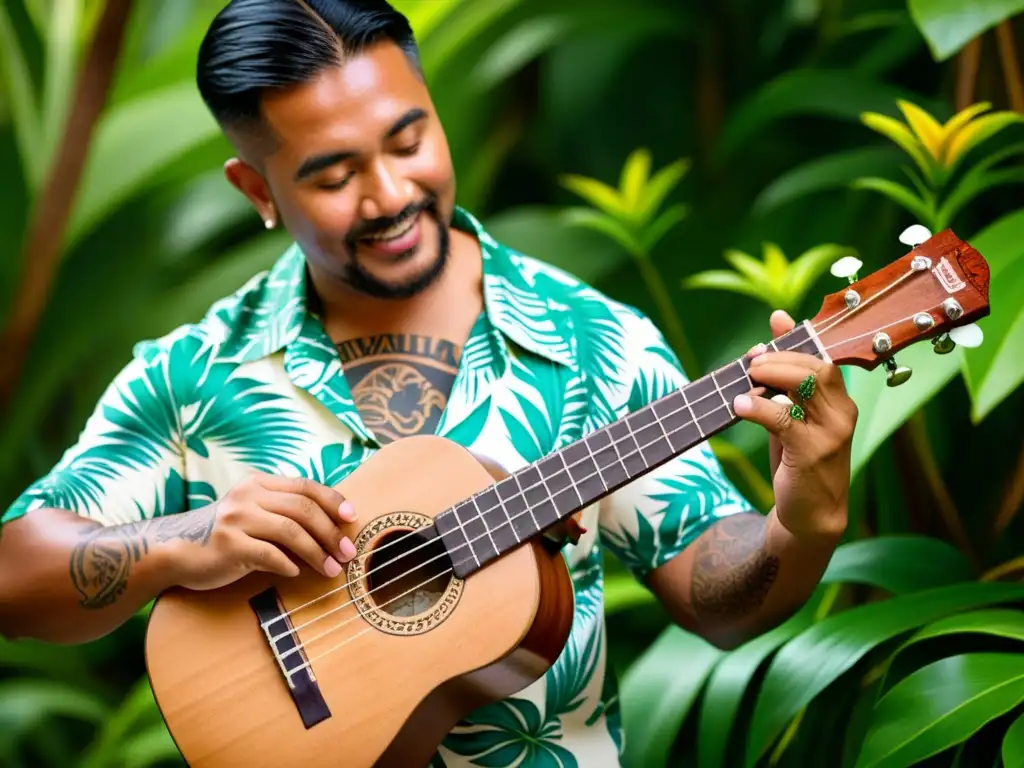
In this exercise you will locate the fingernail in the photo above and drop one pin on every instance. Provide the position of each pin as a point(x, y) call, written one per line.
point(347, 511)
point(347, 548)
point(332, 567)
point(758, 359)
point(742, 404)
point(760, 349)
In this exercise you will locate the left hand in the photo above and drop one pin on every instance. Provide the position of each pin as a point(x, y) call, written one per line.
point(810, 459)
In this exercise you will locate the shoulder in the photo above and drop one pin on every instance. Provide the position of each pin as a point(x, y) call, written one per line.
point(244, 324)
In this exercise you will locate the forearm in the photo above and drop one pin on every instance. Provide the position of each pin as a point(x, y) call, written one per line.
point(743, 576)
point(67, 580)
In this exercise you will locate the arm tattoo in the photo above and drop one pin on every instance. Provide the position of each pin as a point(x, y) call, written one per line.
point(732, 574)
point(100, 564)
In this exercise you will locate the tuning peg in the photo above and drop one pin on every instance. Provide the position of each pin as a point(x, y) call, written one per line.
point(915, 235)
point(942, 344)
point(847, 267)
point(896, 374)
point(969, 336)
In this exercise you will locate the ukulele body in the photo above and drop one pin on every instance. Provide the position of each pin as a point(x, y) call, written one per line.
point(385, 689)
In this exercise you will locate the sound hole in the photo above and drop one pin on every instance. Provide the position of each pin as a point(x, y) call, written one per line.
point(405, 575)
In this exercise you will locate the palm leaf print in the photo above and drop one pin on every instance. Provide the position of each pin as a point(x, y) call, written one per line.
point(511, 732)
point(551, 406)
point(237, 413)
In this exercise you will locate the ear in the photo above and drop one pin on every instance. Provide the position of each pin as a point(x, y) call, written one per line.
point(251, 183)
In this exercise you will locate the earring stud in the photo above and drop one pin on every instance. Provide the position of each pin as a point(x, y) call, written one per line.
point(268, 223)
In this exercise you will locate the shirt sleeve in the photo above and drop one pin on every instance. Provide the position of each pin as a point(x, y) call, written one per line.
point(128, 464)
point(651, 520)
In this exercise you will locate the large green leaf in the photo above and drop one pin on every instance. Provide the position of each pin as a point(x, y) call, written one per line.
point(654, 704)
point(884, 409)
point(839, 94)
point(1000, 622)
point(898, 564)
point(826, 173)
point(153, 746)
point(948, 25)
point(19, 90)
point(814, 660)
point(1013, 745)
point(996, 368)
point(941, 705)
point(136, 711)
point(134, 141)
point(24, 704)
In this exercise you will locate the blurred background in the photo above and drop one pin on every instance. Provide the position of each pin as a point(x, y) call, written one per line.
point(704, 161)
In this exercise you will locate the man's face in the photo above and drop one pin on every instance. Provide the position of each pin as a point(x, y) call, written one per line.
point(360, 174)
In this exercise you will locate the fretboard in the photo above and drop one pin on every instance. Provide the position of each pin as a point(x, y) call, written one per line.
point(533, 499)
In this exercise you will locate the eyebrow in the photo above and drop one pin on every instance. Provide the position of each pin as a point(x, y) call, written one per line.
point(318, 163)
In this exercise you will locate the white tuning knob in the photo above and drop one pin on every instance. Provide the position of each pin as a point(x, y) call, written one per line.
point(969, 336)
point(915, 235)
point(847, 267)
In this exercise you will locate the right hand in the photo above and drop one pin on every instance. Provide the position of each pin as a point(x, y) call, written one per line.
point(253, 525)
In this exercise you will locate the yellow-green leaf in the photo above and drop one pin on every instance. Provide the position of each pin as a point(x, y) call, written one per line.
point(976, 132)
point(634, 177)
point(901, 135)
point(659, 187)
point(747, 265)
point(957, 122)
point(595, 192)
point(606, 225)
point(775, 262)
point(929, 132)
point(901, 195)
point(668, 219)
point(723, 280)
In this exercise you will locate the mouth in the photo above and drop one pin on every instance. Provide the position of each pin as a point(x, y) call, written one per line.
point(397, 239)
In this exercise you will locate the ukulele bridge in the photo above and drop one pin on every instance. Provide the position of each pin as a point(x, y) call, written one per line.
point(290, 657)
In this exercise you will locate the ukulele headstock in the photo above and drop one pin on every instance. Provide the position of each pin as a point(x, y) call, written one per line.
point(939, 286)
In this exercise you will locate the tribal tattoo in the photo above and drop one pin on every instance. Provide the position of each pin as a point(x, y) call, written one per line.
point(101, 563)
point(400, 382)
point(732, 574)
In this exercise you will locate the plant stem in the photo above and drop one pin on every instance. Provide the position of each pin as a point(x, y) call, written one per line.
point(1011, 65)
point(1013, 499)
point(967, 74)
point(52, 210)
point(673, 326)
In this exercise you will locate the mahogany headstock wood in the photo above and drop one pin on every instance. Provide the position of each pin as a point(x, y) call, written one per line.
point(939, 285)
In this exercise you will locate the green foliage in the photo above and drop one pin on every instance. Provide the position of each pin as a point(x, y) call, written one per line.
point(775, 281)
point(768, 103)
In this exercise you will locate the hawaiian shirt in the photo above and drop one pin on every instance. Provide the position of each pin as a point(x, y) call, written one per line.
point(258, 385)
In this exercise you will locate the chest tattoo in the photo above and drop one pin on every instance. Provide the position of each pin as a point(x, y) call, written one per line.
point(400, 382)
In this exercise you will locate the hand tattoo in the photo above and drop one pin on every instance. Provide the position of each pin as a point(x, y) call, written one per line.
point(101, 563)
point(732, 574)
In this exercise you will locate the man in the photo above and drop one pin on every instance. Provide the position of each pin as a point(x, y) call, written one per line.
point(215, 451)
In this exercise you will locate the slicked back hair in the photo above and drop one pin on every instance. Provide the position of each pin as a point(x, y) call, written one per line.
point(255, 46)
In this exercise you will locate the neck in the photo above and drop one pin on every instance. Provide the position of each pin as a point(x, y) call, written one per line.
point(544, 493)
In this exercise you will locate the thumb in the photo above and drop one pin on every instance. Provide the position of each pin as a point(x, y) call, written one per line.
point(771, 415)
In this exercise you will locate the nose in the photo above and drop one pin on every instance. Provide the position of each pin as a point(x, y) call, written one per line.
point(382, 193)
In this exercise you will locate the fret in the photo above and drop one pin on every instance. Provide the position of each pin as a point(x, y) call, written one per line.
point(649, 436)
point(677, 420)
point(503, 533)
point(704, 402)
point(584, 471)
point(476, 530)
point(733, 381)
point(693, 416)
point(519, 513)
point(481, 515)
point(539, 497)
point(630, 455)
point(601, 447)
point(457, 541)
point(559, 483)
point(572, 478)
point(725, 403)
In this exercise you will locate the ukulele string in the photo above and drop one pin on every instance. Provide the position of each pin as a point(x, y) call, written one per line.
point(509, 520)
point(303, 644)
point(845, 314)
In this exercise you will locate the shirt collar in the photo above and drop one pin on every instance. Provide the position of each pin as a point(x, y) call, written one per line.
point(271, 312)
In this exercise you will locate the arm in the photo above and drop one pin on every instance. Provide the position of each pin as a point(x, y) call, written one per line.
point(741, 577)
point(109, 528)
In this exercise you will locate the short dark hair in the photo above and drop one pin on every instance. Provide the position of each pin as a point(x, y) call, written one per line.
point(253, 46)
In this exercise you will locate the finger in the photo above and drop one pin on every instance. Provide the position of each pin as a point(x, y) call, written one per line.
point(265, 557)
point(313, 518)
point(781, 323)
point(331, 501)
point(792, 358)
point(783, 377)
point(774, 445)
point(286, 532)
point(772, 416)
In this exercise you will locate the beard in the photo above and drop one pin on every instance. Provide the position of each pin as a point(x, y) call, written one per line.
point(356, 275)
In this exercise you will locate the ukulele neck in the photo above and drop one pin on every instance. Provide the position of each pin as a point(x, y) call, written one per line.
point(542, 494)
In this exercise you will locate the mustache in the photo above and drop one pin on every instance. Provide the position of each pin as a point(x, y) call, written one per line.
point(372, 226)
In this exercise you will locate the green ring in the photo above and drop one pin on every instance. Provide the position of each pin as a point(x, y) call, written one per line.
point(796, 413)
point(806, 388)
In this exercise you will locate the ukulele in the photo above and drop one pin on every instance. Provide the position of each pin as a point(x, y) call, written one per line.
point(456, 598)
